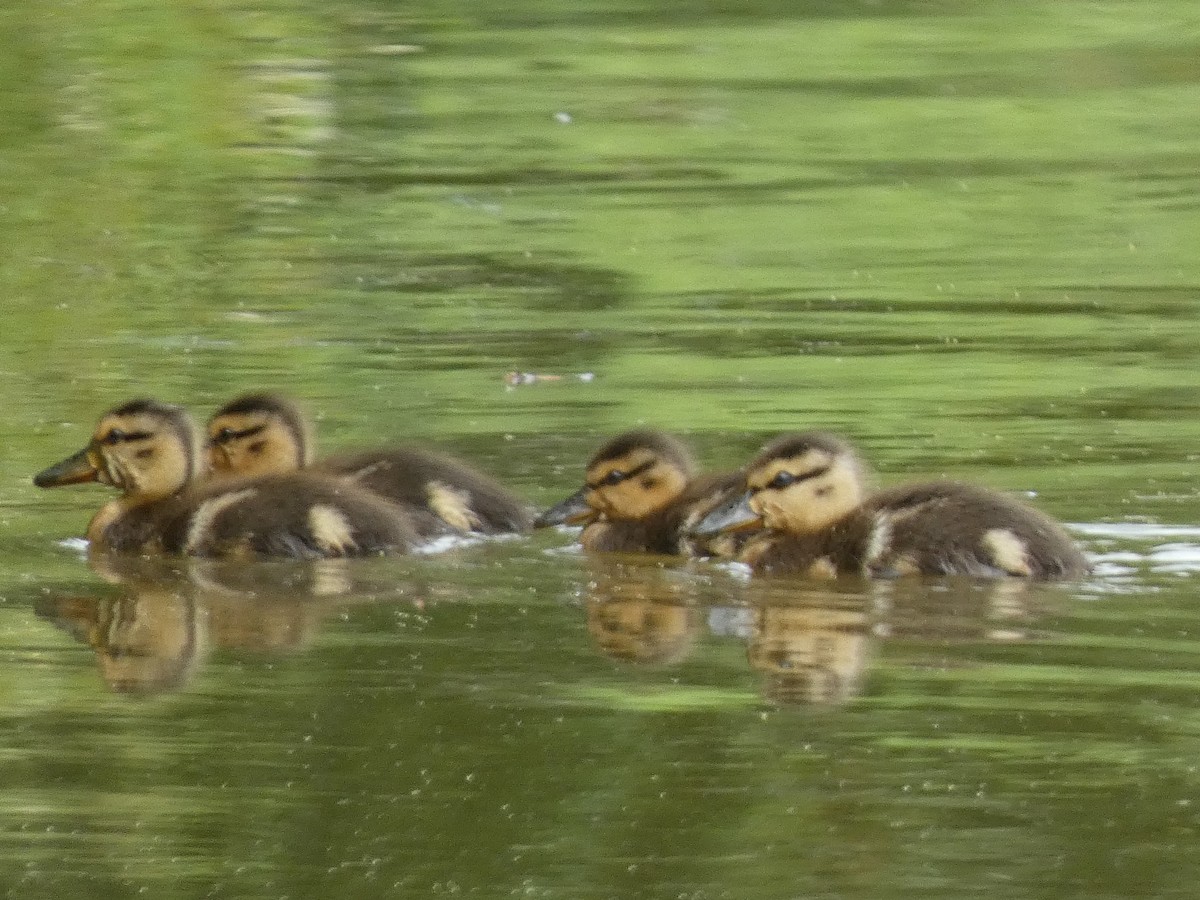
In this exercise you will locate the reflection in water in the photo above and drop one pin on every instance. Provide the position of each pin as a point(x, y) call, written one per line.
point(641, 613)
point(813, 642)
point(146, 642)
point(167, 616)
point(812, 646)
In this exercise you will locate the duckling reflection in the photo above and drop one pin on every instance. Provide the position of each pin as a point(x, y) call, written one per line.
point(960, 610)
point(642, 614)
point(927, 623)
point(813, 650)
point(148, 641)
point(155, 632)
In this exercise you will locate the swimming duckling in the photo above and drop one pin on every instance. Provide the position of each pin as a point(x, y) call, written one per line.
point(148, 450)
point(265, 433)
point(808, 491)
point(641, 494)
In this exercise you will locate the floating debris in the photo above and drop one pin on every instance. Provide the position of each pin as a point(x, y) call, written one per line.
point(517, 379)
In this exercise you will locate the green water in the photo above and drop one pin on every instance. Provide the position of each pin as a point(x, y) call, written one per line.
point(963, 233)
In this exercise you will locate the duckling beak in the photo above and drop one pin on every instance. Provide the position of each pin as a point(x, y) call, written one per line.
point(572, 511)
point(77, 469)
point(734, 514)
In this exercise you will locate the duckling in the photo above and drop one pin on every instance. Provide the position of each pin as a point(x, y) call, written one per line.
point(641, 494)
point(266, 433)
point(808, 491)
point(148, 450)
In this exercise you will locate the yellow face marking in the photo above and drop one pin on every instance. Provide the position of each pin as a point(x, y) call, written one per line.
point(805, 494)
point(633, 486)
point(142, 455)
point(253, 443)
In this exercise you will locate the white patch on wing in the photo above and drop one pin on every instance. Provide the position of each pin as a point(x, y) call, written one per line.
point(880, 540)
point(452, 506)
point(1008, 551)
point(331, 529)
point(206, 514)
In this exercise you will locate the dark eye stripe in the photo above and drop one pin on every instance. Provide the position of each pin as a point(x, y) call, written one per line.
point(608, 479)
point(117, 436)
point(229, 434)
point(784, 479)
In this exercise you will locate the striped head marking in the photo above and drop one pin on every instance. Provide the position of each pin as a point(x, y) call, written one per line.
point(258, 434)
point(636, 474)
point(144, 448)
point(803, 483)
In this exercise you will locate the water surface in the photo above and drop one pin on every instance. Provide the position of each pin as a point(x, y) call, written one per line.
point(964, 234)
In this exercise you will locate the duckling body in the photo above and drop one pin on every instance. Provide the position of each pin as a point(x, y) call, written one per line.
point(148, 451)
point(265, 433)
point(808, 490)
point(641, 495)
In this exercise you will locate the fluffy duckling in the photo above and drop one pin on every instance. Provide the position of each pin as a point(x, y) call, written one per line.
point(265, 433)
point(808, 491)
point(641, 494)
point(148, 450)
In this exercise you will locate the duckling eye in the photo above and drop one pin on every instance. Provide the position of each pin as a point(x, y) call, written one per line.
point(114, 437)
point(225, 434)
point(781, 480)
point(616, 476)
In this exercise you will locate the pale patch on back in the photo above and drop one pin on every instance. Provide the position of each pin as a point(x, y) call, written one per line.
point(368, 470)
point(904, 514)
point(822, 567)
point(1008, 551)
point(331, 530)
point(905, 564)
point(878, 543)
point(452, 506)
point(206, 514)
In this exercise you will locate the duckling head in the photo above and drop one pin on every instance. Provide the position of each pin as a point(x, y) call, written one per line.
point(259, 434)
point(146, 449)
point(799, 484)
point(630, 478)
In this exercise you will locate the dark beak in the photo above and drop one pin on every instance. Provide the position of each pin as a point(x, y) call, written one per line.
point(77, 469)
point(572, 511)
point(734, 514)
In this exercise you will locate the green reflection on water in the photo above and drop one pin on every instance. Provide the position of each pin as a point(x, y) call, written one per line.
point(963, 233)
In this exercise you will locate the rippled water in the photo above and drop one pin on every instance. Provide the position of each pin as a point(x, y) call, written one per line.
point(964, 234)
